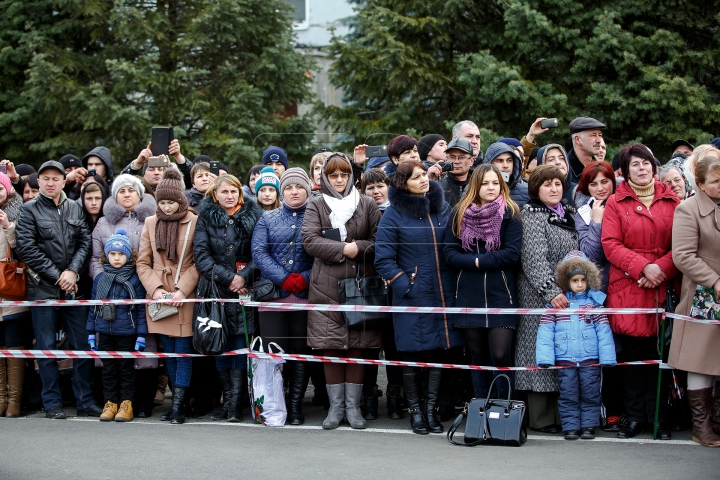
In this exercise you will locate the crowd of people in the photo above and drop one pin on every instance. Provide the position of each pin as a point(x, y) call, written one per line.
point(442, 223)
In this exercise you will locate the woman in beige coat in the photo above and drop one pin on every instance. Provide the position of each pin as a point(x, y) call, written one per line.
point(696, 347)
point(351, 218)
point(166, 241)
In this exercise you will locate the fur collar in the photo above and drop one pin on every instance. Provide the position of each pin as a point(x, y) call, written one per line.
point(244, 219)
point(417, 207)
point(567, 222)
point(13, 206)
point(114, 212)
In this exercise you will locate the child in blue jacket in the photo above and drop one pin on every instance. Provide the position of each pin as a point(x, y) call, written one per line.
point(122, 328)
point(577, 340)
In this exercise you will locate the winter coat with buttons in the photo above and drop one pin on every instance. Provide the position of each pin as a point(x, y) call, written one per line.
point(409, 253)
point(222, 241)
point(632, 237)
point(117, 217)
point(51, 239)
point(277, 246)
point(576, 338)
point(130, 320)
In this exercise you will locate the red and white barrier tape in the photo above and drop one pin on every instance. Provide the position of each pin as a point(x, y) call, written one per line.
point(91, 354)
point(691, 319)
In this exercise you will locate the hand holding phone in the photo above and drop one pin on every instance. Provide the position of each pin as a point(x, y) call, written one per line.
point(215, 168)
point(549, 123)
point(161, 138)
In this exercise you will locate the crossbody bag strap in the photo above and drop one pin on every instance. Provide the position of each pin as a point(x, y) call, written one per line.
point(182, 253)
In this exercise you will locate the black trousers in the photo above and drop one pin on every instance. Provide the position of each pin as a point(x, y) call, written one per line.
point(640, 381)
point(118, 375)
point(287, 329)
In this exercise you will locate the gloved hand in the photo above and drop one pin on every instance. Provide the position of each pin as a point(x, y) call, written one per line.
point(91, 342)
point(140, 344)
point(294, 283)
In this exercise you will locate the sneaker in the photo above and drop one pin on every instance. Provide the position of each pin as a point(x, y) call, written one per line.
point(109, 412)
point(125, 412)
point(611, 424)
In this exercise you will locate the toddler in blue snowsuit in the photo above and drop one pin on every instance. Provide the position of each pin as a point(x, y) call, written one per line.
point(577, 340)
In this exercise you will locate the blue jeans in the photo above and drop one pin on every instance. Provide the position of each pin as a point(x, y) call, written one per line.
point(179, 369)
point(235, 342)
point(44, 321)
point(579, 401)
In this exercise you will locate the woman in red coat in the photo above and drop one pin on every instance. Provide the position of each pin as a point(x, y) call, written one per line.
point(636, 238)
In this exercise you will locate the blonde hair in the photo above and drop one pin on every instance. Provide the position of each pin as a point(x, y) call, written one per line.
point(472, 194)
point(230, 180)
point(698, 154)
point(710, 163)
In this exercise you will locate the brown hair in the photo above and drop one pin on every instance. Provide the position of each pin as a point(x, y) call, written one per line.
point(635, 150)
point(337, 162)
point(230, 180)
point(200, 166)
point(591, 171)
point(404, 172)
point(317, 158)
point(373, 176)
point(707, 164)
point(542, 174)
point(472, 194)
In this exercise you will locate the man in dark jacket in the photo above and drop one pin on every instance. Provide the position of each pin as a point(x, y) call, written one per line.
point(460, 153)
point(100, 160)
point(507, 160)
point(53, 239)
point(586, 135)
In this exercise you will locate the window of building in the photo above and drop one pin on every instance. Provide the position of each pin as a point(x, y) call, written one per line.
point(301, 13)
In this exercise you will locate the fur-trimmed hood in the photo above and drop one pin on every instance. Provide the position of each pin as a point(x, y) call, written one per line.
point(13, 206)
point(114, 212)
point(571, 263)
point(216, 216)
point(415, 206)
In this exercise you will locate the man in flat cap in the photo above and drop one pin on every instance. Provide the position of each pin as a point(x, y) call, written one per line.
point(587, 142)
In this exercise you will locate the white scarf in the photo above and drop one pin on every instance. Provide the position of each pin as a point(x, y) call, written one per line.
point(342, 209)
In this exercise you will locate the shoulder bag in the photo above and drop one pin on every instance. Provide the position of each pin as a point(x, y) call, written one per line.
point(209, 325)
point(364, 291)
point(158, 311)
point(492, 421)
point(265, 290)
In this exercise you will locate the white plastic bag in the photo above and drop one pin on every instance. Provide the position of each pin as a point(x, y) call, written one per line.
point(265, 386)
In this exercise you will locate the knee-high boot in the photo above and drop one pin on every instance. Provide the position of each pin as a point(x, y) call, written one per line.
point(238, 379)
point(3, 387)
point(411, 381)
point(299, 377)
point(432, 389)
point(177, 414)
point(15, 379)
point(222, 413)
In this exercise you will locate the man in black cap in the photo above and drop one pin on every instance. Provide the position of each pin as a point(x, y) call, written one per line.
point(74, 173)
point(460, 152)
point(683, 146)
point(431, 149)
point(53, 239)
point(586, 135)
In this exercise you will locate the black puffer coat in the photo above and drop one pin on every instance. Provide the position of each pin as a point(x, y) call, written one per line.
point(51, 239)
point(221, 241)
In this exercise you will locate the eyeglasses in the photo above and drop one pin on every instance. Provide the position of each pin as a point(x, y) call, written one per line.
point(462, 158)
point(335, 176)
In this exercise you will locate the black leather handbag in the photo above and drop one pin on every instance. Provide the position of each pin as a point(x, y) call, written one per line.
point(492, 421)
point(362, 291)
point(210, 330)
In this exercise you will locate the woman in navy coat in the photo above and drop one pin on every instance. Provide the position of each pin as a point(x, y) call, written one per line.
point(483, 243)
point(409, 256)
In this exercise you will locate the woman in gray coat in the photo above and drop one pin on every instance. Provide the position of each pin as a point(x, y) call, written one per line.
point(548, 235)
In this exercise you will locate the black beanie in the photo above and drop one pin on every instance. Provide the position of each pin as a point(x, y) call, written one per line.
point(426, 144)
point(616, 162)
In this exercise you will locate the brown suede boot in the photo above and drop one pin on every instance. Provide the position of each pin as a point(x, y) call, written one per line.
point(700, 406)
point(109, 411)
point(715, 414)
point(15, 379)
point(125, 412)
point(162, 386)
point(3, 387)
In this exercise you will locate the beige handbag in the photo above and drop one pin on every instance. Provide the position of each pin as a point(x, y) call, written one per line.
point(158, 311)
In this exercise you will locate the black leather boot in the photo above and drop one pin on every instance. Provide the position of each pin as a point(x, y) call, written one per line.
point(177, 414)
point(369, 403)
point(299, 377)
point(222, 413)
point(394, 399)
point(432, 389)
point(412, 395)
point(238, 379)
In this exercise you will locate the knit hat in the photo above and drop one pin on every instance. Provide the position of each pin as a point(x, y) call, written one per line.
point(267, 178)
point(70, 160)
point(24, 169)
point(513, 142)
point(295, 175)
point(427, 143)
point(274, 154)
point(129, 181)
point(170, 187)
point(5, 182)
point(118, 242)
point(375, 162)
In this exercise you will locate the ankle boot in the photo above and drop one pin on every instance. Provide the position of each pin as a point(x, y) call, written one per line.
point(15, 379)
point(715, 415)
point(353, 394)
point(222, 413)
point(432, 389)
point(177, 414)
point(238, 380)
point(700, 405)
point(125, 412)
point(336, 413)
point(369, 403)
point(3, 387)
point(394, 398)
point(299, 377)
point(412, 396)
point(162, 386)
